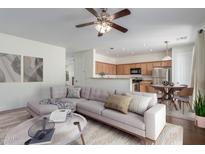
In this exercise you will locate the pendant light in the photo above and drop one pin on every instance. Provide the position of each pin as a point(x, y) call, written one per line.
point(167, 57)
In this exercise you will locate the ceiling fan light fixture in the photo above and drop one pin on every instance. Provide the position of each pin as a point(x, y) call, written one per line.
point(103, 27)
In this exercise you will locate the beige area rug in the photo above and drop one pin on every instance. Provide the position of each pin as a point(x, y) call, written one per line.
point(97, 133)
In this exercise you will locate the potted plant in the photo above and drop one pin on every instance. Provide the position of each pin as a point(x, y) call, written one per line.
point(199, 107)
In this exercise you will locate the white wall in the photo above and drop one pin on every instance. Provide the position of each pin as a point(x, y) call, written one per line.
point(181, 64)
point(105, 59)
point(15, 95)
point(148, 57)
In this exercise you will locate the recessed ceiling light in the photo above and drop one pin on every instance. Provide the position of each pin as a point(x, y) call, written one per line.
point(145, 45)
point(181, 38)
point(150, 50)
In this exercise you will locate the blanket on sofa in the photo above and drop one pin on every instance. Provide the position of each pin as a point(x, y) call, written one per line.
point(60, 102)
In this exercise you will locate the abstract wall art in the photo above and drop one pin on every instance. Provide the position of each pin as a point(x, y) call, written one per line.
point(33, 69)
point(10, 68)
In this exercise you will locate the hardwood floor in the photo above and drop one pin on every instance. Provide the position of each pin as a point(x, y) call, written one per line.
point(192, 134)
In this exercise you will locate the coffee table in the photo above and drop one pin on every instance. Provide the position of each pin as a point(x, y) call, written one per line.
point(65, 132)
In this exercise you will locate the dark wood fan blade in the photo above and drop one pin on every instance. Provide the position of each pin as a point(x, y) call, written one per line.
point(85, 24)
point(121, 13)
point(100, 34)
point(118, 27)
point(91, 10)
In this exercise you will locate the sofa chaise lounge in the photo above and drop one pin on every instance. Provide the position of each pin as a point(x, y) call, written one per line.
point(91, 104)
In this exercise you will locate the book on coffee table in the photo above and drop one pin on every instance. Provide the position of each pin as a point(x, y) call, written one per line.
point(41, 138)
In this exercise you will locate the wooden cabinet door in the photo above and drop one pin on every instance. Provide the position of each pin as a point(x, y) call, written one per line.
point(105, 68)
point(109, 69)
point(120, 69)
point(137, 65)
point(149, 68)
point(167, 63)
point(99, 67)
point(114, 69)
point(142, 87)
point(145, 86)
point(144, 68)
point(126, 69)
point(156, 64)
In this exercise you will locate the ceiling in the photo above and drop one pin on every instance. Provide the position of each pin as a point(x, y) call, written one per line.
point(147, 29)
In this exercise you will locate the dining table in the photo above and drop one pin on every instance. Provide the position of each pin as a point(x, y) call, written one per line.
point(168, 92)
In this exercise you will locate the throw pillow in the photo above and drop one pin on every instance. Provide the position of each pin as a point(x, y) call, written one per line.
point(73, 92)
point(118, 102)
point(139, 104)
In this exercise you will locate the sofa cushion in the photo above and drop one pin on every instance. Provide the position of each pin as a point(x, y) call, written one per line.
point(139, 103)
point(58, 92)
point(99, 94)
point(91, 106)
point(73, 92)
point(131, 119)
point(85, 92)
point(152, 102)
point(118, 102)
point(42, 109)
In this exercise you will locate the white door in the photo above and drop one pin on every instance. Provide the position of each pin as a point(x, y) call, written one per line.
point(79, 74)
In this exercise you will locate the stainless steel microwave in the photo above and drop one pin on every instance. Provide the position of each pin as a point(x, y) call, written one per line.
point(135, 71)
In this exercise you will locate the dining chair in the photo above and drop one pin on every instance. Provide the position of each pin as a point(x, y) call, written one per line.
point(183, 96)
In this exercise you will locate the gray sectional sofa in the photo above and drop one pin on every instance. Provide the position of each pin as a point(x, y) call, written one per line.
point(91, 103)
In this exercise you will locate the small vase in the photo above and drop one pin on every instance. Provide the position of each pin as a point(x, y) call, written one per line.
point(200, 121)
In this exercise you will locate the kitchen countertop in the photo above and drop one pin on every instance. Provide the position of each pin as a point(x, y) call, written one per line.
point(112, 78)
point(118, 77)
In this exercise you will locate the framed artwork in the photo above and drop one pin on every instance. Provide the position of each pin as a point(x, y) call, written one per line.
point(10, 68)
point(33, 69)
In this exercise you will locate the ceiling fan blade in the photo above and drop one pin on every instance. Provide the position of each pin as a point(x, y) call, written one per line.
point(91, 10)
point(85, 24)
point(100, 34)
point(121, 13)
point(118, 27)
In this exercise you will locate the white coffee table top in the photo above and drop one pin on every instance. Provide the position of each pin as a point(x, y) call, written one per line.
point(65, 132)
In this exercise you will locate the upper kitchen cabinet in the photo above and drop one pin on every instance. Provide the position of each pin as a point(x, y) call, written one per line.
point(106, 68)
point(167, 63)
point(124, 69)
point(143, 67)
point(149, 68)
point(156, 64)
point(99, 67)
point(120, 69)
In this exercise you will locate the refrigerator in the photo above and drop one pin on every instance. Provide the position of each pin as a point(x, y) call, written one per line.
point(161, 74)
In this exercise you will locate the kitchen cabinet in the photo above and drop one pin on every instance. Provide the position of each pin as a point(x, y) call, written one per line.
point(149, 68)
point(145, 86)
point(124, 69)
point(106, 68)
point(143, 67)
point(167, 63)
point(156, 64)
point(120, 69)
point(114, 69)
point(99, 67)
